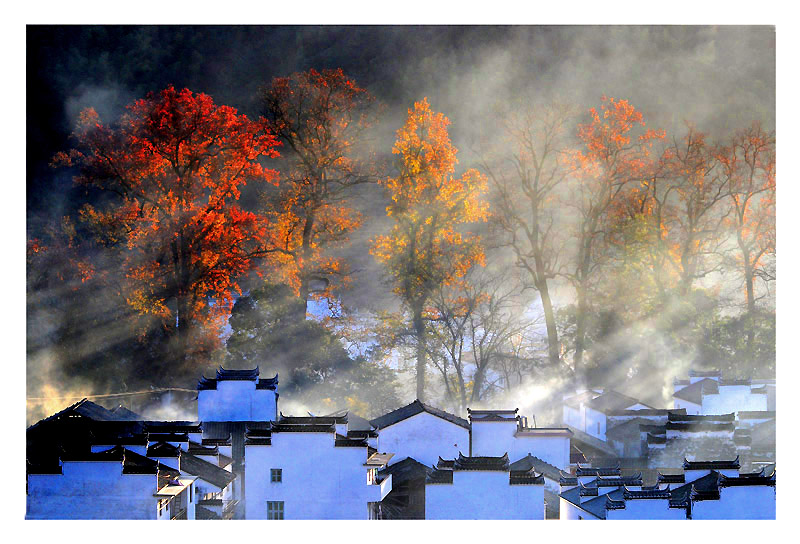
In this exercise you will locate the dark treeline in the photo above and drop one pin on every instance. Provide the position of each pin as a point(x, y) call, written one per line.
point(328, 229)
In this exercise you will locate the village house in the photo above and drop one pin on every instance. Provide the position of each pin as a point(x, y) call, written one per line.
point(704, 490)
point(421, 432)
point(706, 393)
point(310, 468)
point(416, 462)
point(483, 487)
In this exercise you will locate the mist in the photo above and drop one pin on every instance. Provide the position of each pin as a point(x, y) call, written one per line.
point(719, 79)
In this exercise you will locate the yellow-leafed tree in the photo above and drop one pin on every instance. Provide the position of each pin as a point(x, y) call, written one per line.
point(430, 244)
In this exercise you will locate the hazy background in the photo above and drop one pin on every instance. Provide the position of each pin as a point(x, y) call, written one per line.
point(719, 78)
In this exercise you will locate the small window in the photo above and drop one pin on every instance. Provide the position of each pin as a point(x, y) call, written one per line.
point(275, 509)
point(276, 475)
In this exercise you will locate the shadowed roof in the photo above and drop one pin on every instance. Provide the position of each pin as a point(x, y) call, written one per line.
point(413, 409)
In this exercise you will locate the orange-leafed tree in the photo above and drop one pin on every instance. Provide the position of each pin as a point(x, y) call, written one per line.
point(429, 244)
point(173, 167)
point(748, 168)
point(321, 117)
point(614, 157)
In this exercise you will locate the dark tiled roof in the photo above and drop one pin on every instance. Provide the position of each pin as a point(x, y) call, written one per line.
point(224, 374)
point(345, 442)
point(531, 462)
point(163, 449)
point(217, 441)
point(172, 427)
point(204, 470)
point(653, 429)
point(694, 393)
point(700, 427)
point(525, 478)
point(629, 494)
point(656, 439)
point(493, 415)
point(725, 481)
point(406, 470)
point(312, 420)
point(611, 400)
point(439, 477)
point(671, 478)
point(123, 413)
point(635, 480)
point(85, 408)
point(200, 449)
point(413, 409)
point(361, 434)
point(268, 383)
point(711, 465)
point(323, 428)
point(598, 471)
point(224, 460)
point(630, 426)
point(720, 418)
point(481, 463)
point(445, 464)
point(168, 437)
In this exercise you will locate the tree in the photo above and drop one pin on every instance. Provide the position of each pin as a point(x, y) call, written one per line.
point(321, 117)
point(173, 167)
point(318, 371)
point(425, 248)
point(748, 170)
point(611, 157)
point(525, 185)
point(471, 326)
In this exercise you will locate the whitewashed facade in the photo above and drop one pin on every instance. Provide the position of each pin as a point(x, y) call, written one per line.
point(307, 471)
point(421, 432)
point(483, 488)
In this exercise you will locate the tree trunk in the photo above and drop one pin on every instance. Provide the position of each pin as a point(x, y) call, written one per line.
point(419, 330)
point(580, 333)
point(550, 323)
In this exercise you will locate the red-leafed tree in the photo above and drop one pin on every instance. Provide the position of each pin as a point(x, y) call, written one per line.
point(175, 164)
point(321, 118)
point(615, 157)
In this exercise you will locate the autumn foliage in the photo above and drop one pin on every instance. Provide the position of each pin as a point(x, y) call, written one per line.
point(427, 246)
point(321, 117)
point(175, 164)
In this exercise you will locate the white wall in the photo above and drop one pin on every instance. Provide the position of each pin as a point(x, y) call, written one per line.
point(732, 398)
point(747, 502)
point(692, 409)
point(236, 400)
point(568, 511)
point(423, 437)
point(493, 439)
point(647, 509)
point(483, 495)
point(91, 490)
point(320, 481)
point(552, 449)
point(595, 423)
